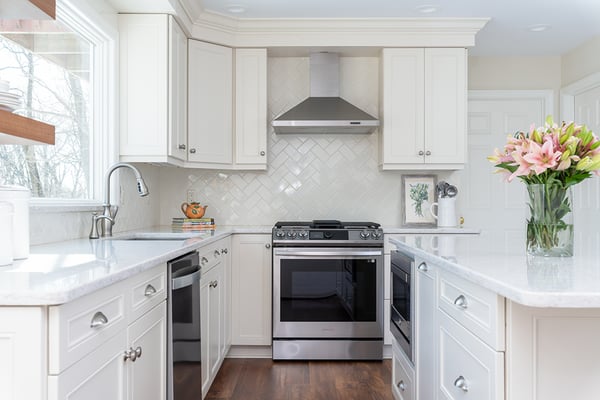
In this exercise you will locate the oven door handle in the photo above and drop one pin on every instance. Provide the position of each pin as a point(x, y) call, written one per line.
point(186, 280)
point(326, 253)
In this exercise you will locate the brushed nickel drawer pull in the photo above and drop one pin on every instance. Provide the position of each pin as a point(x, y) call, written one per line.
point(98, 320)
point(461, 301)
point(150, 290)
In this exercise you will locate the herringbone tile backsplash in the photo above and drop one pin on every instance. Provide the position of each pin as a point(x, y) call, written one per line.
point(318, 176)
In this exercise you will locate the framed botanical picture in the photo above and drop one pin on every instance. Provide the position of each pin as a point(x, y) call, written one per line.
point(418, 193)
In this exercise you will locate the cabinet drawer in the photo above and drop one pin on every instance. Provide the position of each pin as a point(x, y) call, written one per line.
point(77, 328)
point(469, 369)
point(210, 256)
point(403, 375)
point(477, 309)
point(146, 291)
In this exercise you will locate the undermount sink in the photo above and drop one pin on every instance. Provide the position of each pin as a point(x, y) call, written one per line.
point(156, 236)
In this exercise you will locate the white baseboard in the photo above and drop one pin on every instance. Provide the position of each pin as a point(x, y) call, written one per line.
point(267, 352)
point(250, 352)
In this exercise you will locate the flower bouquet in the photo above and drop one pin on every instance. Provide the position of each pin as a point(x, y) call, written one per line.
point(550, 160)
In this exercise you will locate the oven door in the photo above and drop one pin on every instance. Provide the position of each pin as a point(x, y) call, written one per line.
point(327, 293)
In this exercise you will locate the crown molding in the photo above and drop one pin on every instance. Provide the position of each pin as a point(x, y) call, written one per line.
point(377, 32)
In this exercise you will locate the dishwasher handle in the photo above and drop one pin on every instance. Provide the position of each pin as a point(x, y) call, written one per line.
point(186, 277)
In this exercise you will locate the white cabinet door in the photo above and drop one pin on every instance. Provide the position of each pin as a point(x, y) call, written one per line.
point(425, 329)
point(210, 103)
point(153, 89)
point(251, 290)
point(251, 107)
point(98, 376)
point(143, 45)
point(178, 85)
point(402, 112)
point(146, 376)
point(445, 106)
point(225, 249)
point(213, 324)
point(22, 349)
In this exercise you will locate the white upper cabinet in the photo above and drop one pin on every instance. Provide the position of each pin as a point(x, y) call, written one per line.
point(219, 135)
point(251, 107)
point(153, 89)
point(423, 108)
point(210, 104)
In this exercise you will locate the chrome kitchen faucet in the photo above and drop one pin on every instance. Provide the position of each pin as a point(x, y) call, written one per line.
point(110, 212)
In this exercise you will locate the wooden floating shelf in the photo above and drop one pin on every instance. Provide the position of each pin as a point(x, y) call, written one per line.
point(28, 9)
point(16, 129)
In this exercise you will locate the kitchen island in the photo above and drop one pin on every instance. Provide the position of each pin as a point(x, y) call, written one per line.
point(501, 325)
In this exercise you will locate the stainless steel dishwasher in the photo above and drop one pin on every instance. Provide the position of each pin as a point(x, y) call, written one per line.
point(184, 369)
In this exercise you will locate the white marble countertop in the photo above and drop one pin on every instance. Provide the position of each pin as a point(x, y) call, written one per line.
point(570, 282)
point(57, 273)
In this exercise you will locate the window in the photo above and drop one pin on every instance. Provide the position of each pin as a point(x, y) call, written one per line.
point(55, 66)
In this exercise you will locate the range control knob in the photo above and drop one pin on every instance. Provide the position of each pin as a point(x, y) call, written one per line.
point(279, 234)
point(292, 234)
point(365, 234)
point(303, 234)
point(376, 234)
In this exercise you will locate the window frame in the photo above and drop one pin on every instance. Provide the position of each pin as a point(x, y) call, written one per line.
point(82, 18)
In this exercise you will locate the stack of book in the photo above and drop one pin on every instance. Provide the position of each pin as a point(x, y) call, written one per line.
point(192, 224)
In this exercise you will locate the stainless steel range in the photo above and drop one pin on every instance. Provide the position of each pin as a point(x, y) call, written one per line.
point(327, 290)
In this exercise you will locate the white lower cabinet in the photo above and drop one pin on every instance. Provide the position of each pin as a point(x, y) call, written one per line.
point(107, 373)
point(251, 290)
point(468, 368)
point(212, 303)
point(111, 344)
point(214, 308)
point(403, 375)
point(23, 351)
point(425, 329)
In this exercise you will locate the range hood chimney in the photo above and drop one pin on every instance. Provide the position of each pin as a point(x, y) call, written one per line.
point(325, 111)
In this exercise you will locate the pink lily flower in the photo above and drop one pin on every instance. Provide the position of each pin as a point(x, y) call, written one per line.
point(542, 157)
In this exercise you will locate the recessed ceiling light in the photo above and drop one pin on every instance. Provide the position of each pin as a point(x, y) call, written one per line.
point(427, 8)
point(236, 8)
point(538, 28)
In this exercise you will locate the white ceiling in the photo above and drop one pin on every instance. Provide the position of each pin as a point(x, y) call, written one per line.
point(570, 22)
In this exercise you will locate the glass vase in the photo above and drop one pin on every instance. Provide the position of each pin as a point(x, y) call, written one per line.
point(550, 225)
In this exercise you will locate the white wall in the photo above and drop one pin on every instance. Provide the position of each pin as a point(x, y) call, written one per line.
point(516, 73)
point(581, 61)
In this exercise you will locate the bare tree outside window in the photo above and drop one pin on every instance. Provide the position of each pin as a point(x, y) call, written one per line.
point(48, 65)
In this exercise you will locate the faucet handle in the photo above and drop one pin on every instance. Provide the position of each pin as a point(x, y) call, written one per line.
point(94, 230)
point(113, 212)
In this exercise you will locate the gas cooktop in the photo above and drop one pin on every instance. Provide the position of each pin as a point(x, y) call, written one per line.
point(327, 224)
point(327, 232)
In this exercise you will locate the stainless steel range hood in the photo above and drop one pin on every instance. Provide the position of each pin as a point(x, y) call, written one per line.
point(324, 111)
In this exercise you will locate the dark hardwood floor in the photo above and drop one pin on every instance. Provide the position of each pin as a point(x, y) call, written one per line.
point(264, 379)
